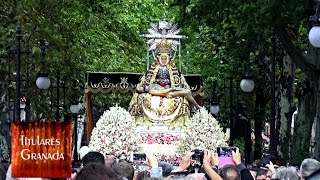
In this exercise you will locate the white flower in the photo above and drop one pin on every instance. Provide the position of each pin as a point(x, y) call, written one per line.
point(203, 132)
point(115, 124)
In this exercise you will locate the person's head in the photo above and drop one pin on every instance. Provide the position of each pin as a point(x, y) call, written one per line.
point(96, 171)
point(190, 177)
point(230, 172)
point(166, 168)
point(286, 173)
point(253, 171)
point(164, 58)
point(314, 176)
point(9, 177)
point(111, 160)
point(142, 175)
point(258, 163)
point(262, 174)
point(196, 176)
point(93, 157)
point(83, 151)
point(124, 169)
point(308, 166)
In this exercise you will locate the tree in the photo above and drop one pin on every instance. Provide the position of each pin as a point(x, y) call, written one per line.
point(95, 35)
point(252, 21)
point(91, 35)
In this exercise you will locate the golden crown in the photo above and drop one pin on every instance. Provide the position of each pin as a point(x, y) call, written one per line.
point(164, 46)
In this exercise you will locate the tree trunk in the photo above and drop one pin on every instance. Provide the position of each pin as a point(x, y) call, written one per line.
point(307, 111)
point(308, 95)
point(314, 85)
point(286, 107)
point(316, 121)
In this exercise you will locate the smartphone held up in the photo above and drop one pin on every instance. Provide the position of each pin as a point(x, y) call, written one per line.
point(225, 155)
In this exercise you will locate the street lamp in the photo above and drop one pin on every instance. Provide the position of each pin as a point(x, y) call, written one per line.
point(314, 33)
point(42, 82)
point(247, 83)
point(214, 105)
point(75, 108)
point(214, 108)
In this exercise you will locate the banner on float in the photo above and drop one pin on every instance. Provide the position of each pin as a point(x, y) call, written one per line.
point(41, 149)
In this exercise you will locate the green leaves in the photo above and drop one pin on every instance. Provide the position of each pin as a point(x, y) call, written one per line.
point(98, 35)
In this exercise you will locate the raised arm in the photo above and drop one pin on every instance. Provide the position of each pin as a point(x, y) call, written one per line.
point(207, 166)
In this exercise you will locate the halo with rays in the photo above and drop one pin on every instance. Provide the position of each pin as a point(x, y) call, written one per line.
point(163, 30)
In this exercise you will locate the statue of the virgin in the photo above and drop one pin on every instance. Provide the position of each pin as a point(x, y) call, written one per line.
point(163, 95)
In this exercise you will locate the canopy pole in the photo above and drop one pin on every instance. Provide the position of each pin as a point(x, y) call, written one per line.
point(180, 65)
point(147, 57)
point(89, 119)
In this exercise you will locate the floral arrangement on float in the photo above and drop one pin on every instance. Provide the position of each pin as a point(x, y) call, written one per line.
point(163, 145)
point(203, 131)
point(115, 133)
point(159, 138)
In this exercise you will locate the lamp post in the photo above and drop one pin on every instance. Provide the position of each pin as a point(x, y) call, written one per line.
point(74, 108)
point(42, 82)
point(17, 112)
point(231, 119)
point(214, 105)
point(59, 85)
point(273, 140)
point(247, 85)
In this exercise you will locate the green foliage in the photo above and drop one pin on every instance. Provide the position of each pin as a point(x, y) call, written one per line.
point(84, 35)
point(240, 144)
point(227, 37)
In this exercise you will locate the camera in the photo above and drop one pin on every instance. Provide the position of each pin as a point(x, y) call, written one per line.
point(225, 151)
point(266, 159)
point(198, 156)
point(139, 157)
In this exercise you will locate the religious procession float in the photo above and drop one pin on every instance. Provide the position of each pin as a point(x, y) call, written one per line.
point(165, 115)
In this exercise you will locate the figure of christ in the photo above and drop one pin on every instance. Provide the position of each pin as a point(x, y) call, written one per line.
point(174, 92)
point(162, 88)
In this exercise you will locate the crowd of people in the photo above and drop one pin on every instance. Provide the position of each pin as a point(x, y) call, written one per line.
point(96, 166)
